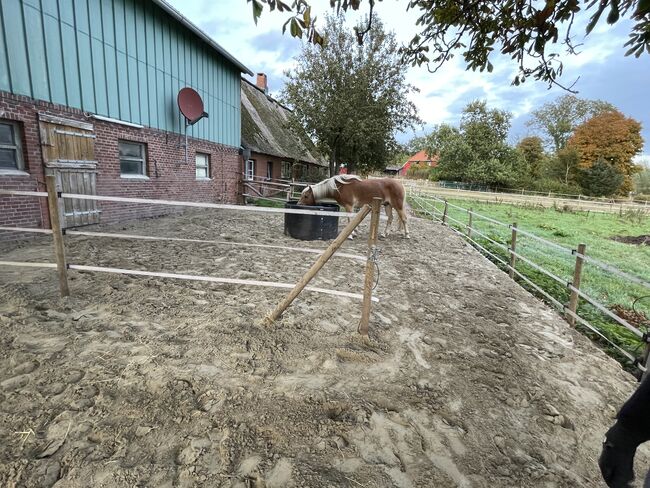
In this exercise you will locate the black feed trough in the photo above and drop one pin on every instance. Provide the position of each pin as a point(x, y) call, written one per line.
point(311, 227)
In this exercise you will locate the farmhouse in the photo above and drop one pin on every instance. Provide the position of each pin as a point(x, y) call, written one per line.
point(420, 158)
point(88, 92)
point(275, 149)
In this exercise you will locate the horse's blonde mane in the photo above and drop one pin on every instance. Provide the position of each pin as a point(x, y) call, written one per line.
point(327, 187)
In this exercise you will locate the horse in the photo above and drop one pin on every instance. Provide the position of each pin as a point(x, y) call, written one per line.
point(632, 428)
point(351, 191)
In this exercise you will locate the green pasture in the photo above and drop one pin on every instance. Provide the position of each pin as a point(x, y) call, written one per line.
point(567, 229)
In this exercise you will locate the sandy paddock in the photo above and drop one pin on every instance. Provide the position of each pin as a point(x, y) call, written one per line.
point(468, 381)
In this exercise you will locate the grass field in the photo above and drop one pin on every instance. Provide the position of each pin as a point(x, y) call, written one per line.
point(569, 229)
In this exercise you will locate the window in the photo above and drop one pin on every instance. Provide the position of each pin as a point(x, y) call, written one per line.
point(11, 152)
point(250, 169)
point(132, 158)
point(202, 166)
point(286, 170)
point(269, 170)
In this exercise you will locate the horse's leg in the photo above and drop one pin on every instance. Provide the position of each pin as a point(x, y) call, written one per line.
point(402, 217)
point(349, 208)
point(389, 214)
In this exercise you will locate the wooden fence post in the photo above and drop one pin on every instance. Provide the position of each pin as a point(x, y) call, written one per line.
point(370, 267)
point(513, 247)
point(577, 277)
point(469, 224)
point(444, 214)
point(316, 267)
point(646, 361)
point(57, 235)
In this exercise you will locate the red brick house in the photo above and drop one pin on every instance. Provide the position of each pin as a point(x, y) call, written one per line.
point(419, 158)
point(91, 98)
point(274, 148)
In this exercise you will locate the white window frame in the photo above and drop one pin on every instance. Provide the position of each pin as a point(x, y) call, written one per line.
point(249, 170)
point(142, 159)
point(205, 166)
point(269, 170)
point(17, 146)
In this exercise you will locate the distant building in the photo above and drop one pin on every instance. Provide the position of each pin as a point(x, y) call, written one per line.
point(419, 158)
point(274, 149)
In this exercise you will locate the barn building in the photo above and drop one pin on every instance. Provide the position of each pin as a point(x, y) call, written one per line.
point(88, 92)
point(420, 158)
point(274, 148)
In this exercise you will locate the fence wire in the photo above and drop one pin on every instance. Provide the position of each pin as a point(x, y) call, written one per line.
point(427, 199)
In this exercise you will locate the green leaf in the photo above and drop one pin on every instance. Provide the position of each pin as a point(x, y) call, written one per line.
point(595, 18)
point(296, 31)
point(490, 67)
point(643, 7)
point(284, 27)
point(614, 14)
point(306, 16)
point(631, 50)
point(257, 10)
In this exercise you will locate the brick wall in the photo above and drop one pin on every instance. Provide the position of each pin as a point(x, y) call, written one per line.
point(169, 176)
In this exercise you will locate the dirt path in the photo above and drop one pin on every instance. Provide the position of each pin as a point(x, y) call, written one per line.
point(468, 380)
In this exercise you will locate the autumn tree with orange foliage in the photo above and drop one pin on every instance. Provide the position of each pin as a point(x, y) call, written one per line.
point(613, 138)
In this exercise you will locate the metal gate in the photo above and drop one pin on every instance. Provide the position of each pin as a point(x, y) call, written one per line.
point(69, 154)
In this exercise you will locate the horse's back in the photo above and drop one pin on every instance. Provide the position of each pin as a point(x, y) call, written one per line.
point(389, 190)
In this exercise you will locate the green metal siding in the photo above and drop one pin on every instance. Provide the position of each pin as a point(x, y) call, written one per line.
point(125, 59)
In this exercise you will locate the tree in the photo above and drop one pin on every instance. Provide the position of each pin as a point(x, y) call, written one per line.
point(601, 179)
point(532, 151)
point(612, 137)
point(352, 98)
point(564, 165)
point(526, 31)
point(477, 151)
point(557, 120)
point(416, 144)
point(642, 181)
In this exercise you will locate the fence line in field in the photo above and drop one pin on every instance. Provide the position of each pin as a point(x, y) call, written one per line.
point(570, 310)
point(519, 199)
point(512, 191)
point(54, 200)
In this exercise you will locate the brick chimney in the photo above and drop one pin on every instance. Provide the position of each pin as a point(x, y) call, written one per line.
point(261, 82)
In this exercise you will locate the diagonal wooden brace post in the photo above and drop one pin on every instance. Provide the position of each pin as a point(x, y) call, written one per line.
point(370, 267)
point(57, 235)
point(316, 267)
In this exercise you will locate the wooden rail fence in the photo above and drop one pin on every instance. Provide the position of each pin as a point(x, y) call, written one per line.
point(62, 266)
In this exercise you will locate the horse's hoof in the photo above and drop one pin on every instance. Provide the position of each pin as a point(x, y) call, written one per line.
point(350, 237)
point(407, 236)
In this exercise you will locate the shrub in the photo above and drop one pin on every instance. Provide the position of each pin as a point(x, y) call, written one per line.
point(601, 179)
point(419, 171)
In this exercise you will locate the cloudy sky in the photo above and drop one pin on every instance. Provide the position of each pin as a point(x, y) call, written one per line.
point(603, 71)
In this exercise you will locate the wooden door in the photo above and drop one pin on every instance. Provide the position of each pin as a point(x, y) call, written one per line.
point(69, 154)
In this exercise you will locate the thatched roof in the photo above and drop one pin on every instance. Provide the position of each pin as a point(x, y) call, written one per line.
point(265, 128)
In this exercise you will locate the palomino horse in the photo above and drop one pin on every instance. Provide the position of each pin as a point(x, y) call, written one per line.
point(350, 191)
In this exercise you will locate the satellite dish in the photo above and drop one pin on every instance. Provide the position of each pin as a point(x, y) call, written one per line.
point(191, 105)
